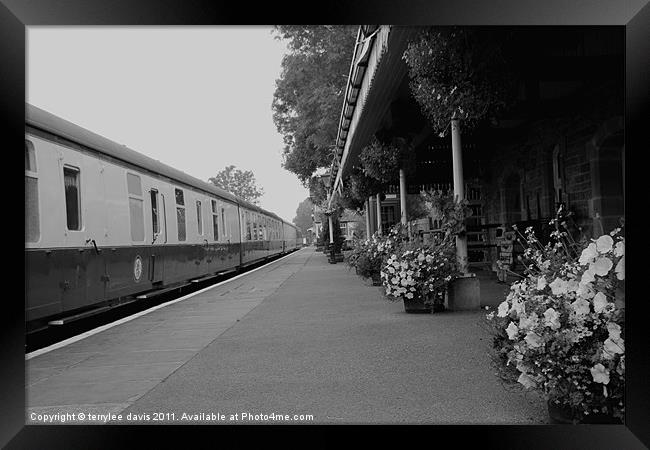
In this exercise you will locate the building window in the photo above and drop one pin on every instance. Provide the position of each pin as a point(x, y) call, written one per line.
point(387, 217)
point(32, 218)
point(136, 209)
point(558, 175)
point(180, 214)
point(71, 182)
point(199, 217)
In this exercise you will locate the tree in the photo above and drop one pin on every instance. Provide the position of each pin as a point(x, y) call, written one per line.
point(309, 94)
point(240, 183)
point(304, 219)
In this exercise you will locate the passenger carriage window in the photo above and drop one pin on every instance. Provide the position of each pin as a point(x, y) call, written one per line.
point(223, 221)
point(72, 198)
point(136, 206)
point(180, 214)
point(32, 221)
point(215, 221)
point(199, 217)
point(248, 226)
point(154, 211)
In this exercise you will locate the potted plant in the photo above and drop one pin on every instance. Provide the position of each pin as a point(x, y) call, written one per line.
point(365, 259)
point(560, 331)
point(420, 274)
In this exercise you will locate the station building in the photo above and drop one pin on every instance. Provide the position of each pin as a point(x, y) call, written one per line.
point(561, 143)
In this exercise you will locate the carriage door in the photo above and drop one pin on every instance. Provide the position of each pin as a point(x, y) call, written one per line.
point(159, 235)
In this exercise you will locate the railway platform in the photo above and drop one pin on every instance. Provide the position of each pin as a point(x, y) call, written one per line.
point(296, 341)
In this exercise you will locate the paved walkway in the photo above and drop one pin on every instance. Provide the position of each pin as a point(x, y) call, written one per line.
point(300, 336)
point(324, 343)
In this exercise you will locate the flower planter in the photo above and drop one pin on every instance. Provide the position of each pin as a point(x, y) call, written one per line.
point(562, 414)
point(416, 305)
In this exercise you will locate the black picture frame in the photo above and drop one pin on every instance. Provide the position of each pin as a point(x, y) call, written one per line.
point(15, 15)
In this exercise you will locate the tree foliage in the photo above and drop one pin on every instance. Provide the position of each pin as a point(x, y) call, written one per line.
point(459, 73)
point(238, 182)
point(309, 93)
point(303, 219)
point(317, 191)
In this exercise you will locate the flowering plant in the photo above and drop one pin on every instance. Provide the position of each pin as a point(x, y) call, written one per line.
point(364, 258)
point(560, 329)
point(416, 271)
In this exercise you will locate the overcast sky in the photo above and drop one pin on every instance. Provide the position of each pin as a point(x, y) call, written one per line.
point(195, 98)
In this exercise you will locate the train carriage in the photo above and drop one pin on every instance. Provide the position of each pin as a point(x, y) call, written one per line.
point(104, 223)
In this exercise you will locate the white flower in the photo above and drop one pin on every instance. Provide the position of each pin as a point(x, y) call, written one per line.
point(512, 330)
point(612, 347)
point(585, 290)
point(552, 319)
point(409, 295)
point(527, 323)
point(533, 339)
point(391, 270)
point(600, 301)
point(600, 374)
point(559, 286)
point(588, 254)
point(541, 283)
point(620, 269)
point(526, 380)
point(429, 258)
point(573, 286)
point(619, 250)
point(503, 309)
point(601, 266)
point(581, 307)
point(421, 257)
point(614, 330)
point(604, 243)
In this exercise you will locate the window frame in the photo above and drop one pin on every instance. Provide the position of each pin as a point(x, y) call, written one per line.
point(180, 206)
point(79, 209)
point(155, 212)
point(199, 217)
point(33, 174)
point(139, 197)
